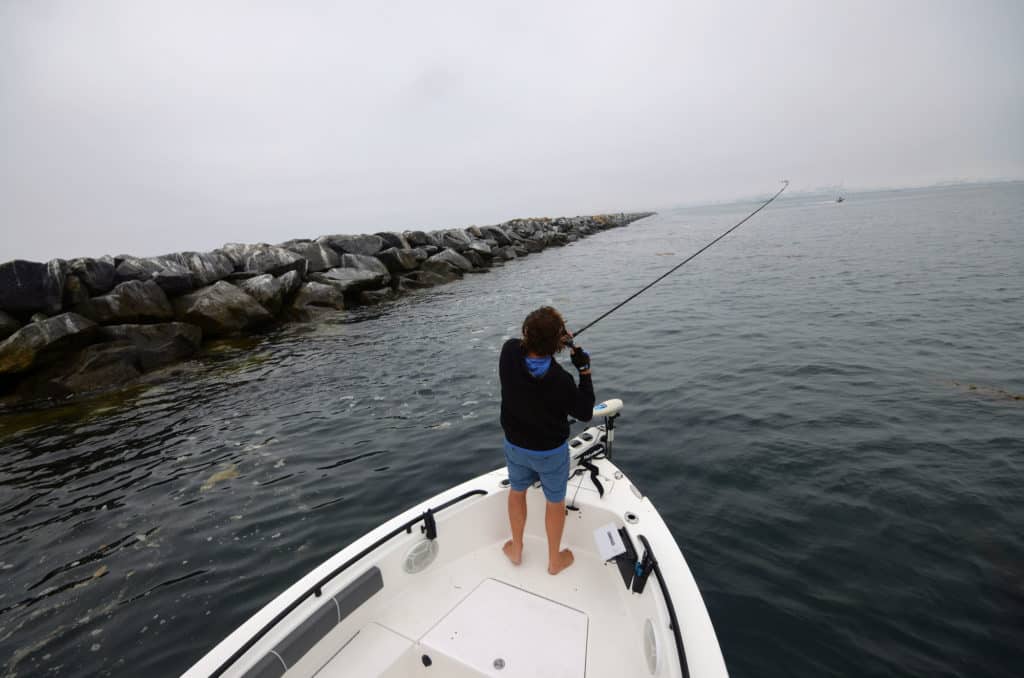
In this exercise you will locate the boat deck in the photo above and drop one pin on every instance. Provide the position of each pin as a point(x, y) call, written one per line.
point(431, 593)
point(535, 623)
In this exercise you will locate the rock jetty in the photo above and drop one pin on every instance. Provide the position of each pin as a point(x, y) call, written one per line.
point(68, 327)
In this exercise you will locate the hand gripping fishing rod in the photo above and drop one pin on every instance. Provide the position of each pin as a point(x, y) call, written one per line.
point(672, 270)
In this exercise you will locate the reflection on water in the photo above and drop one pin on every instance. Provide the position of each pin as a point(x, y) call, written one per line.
point(824, 407)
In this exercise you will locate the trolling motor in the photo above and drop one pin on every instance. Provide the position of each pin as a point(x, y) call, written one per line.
point(609, 409)
point(595, 443)
point(597, 439)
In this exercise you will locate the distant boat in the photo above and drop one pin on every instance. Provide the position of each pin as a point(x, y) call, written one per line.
point(840, 198)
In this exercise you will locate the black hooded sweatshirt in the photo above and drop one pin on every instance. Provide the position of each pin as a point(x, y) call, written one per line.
point(534, 411)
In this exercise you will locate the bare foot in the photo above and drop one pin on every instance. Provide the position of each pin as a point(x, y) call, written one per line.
point(563, 561)
point(514, 554)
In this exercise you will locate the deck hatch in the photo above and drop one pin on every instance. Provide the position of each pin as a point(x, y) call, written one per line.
point(506, 632)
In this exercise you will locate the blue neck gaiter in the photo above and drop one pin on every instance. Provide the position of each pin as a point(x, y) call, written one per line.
point(538, 366)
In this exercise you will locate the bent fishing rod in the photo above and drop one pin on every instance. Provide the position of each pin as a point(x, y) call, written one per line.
point(785, 185)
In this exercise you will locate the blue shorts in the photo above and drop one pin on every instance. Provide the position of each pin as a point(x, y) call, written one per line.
point(551, 470)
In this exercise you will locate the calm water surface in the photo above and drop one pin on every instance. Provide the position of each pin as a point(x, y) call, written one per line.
point(825, 407)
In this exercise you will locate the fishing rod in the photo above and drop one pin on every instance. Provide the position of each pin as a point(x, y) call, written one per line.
point(672, 270)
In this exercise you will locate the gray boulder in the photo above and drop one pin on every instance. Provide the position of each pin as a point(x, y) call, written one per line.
point(421, 279)
point(520, 227)
point(420, 254)
point(136, 268)
point(559, 240)
point(419, 238)
point(173, 276)
point(476, 259)
point(480, 247)
point(221, 309)
point(363, 262)
point(317, 253)
point(239, 276)
point(266, 290)
point(534, 246)
point(318, 295)
point(264, 258)
point(206, 267)
point(398, 260)
point(272, 293)
point(96, 274)
point(38, 342)
point(156, 345)
point(126, 353)
point(175, 280)
point(373, 274)
point(455, 239)
point(446, 262)
point(98, 367)
point(396, 240)
point(504, 253)
point(29, 286)
point(237, 252)
point(291, 282)
point(129, 302)
point(75, 291)
point(94, 368)
point(367, 245)
point(352, 279)
point(8, 325)
point(374, 297)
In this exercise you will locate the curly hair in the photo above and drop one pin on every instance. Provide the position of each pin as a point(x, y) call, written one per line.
point(543, 331)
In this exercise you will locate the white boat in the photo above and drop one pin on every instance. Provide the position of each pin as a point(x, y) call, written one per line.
point(430, 592)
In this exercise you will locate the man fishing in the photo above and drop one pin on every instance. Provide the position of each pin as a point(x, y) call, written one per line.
point(537, 397)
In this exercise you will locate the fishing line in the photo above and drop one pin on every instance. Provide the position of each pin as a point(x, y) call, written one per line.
point(672, 270)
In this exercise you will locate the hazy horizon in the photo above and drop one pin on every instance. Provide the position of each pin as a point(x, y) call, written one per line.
point(791, 193)
point(148, 128)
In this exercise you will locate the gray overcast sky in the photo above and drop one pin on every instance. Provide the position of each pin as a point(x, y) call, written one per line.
point(149, 127)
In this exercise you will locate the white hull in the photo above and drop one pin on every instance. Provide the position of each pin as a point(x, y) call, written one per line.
point(471, 612)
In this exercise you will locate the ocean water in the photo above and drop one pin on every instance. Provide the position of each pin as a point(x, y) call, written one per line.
point(827, 407)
